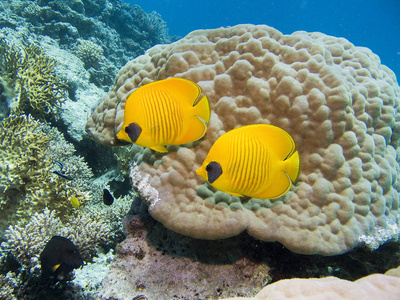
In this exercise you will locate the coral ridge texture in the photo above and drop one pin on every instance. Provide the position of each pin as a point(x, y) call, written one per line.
point(336, 100)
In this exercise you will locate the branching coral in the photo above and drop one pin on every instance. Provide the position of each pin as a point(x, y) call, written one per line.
point(8, 283)
point(32, 74)
point(27, 240)
point(29, 152)
point(23, 150)
point(340, 105)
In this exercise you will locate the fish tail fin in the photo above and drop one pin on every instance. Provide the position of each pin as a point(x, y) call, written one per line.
point(202, 109)
point(292, 166)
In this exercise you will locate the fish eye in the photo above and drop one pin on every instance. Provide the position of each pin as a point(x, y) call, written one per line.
point(214, 170)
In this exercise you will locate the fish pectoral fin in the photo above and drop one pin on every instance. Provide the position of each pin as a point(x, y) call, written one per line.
point(196, 130)
point(55, 267)
point(159, 148)
point(277, 188)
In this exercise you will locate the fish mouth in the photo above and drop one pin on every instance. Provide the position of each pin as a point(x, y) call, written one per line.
point(202, 172)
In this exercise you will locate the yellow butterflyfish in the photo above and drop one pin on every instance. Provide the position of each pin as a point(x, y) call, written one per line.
point(165, 112)
point(259, 161)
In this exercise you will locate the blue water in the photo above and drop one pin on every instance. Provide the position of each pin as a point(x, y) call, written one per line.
point(370, 23)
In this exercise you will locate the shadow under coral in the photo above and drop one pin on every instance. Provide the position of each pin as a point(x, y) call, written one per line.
point(160, 264)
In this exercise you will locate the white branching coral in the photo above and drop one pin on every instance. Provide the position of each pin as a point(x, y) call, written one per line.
point(26, 241)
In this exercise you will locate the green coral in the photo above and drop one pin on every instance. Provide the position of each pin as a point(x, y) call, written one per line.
point(23, 150)
point(31, 74)
point(28, 184)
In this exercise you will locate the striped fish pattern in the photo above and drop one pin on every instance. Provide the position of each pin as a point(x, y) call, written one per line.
point(258, 161)
point(248, 166)
point(165, 112)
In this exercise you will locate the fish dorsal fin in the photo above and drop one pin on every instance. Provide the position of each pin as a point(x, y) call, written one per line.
point(276, 139)
point(180, 88)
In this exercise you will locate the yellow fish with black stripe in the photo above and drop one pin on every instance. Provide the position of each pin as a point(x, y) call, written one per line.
point(259, 161)
point(165, 112)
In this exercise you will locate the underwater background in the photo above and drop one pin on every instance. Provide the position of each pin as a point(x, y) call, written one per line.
point(370, 23)
point(85, 216)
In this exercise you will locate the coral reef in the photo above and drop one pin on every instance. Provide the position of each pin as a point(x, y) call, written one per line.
point(89, 277)
point(31, 152)
point(8, 283)
point(336, 100)
point(375, 286)
point(26, 240)
point(123, 31)
point(89, 52)
point(31, 74)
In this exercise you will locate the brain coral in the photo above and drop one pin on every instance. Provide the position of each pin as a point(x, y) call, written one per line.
point(336, 100)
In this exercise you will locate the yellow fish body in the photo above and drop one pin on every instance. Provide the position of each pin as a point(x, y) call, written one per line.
point(74, 201)
point(165, 112)
point(259, 161)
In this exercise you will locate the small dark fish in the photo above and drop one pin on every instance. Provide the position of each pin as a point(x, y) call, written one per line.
point(59, 257)
point(66, 177)
point(108, 199)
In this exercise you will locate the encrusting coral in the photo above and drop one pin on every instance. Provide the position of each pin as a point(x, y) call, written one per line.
point(31, 73)
point(336, 100)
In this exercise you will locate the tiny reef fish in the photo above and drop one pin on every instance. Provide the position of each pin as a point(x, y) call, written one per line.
point(165, 112)
point(258, 161)
point(61, 173)
point(66, 177)
point(74, 201)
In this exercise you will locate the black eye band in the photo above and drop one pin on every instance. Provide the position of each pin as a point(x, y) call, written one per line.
point(133, 130)
point(214, 170)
